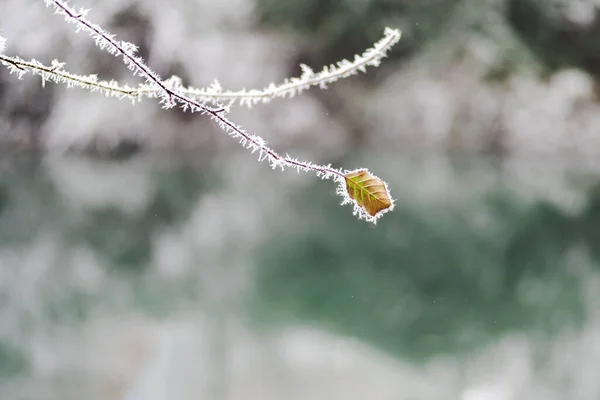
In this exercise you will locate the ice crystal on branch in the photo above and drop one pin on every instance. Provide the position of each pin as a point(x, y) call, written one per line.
point(107, 41)
point(215, 94)
point(293, 86)
point(368, 193)
point(56, 73)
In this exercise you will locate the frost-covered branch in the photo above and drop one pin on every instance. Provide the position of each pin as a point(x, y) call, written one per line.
point(108, 42)
point(368, 193)
point(214, 94)
point(56, 73)
point(292, 86)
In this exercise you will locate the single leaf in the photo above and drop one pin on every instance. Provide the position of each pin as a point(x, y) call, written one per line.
point(369, 194)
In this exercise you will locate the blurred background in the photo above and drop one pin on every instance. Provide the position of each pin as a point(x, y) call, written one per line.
point(155, 259)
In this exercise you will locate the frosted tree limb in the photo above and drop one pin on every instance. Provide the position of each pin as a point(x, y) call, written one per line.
point(213, 94)
point(369, 194)
point(293, 86)
point(56, 73)
point(107, 41)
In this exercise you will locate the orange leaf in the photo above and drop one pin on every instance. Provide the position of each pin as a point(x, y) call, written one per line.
point(369, 193)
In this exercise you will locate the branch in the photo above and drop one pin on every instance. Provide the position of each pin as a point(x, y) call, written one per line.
point(213, 94)
point(56, 73)
point(361, 195)
point(290, 87)
point(107, 41)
